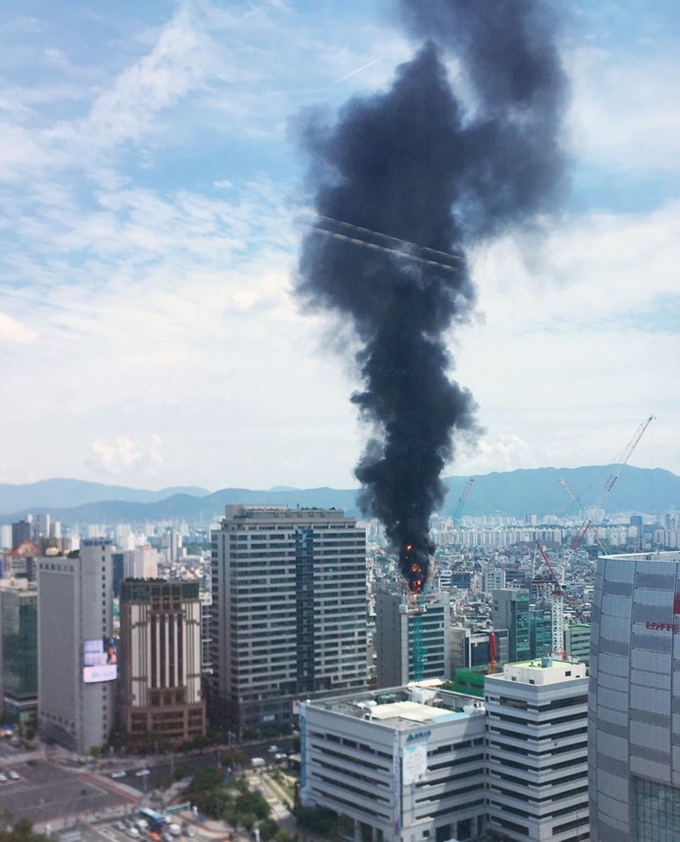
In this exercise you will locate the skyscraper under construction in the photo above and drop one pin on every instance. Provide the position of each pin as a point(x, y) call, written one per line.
point(289, 613)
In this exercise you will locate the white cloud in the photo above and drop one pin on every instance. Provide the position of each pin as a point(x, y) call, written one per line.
point(13, 331)
point(121, 454)
point(625, 112)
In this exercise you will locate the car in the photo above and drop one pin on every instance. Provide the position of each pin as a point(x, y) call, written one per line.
point(119, 774)
point(189, 832)
point(273, 749)
point(3, 777)
point(133, 832)
point(15, 776)
point(279, 756)
point(142, 773)
point(120, 826)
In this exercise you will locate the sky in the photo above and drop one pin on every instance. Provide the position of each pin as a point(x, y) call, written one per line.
point(152, 203)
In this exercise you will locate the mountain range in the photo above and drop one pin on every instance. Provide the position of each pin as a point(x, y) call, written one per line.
point(509, 493)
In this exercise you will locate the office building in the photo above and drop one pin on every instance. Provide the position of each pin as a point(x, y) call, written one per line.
point(77, 660)
point(537, 750)
point(404, 765)
point(474, 649)
point(511, 612)
point(540, 631)
point(22, 531)
point(577, 642)
point(412, 639)
point(634, 705)
point(160, 661)
point(19, 649)
point(289, 613)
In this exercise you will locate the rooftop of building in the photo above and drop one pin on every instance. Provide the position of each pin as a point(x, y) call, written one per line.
point(672, 556)
point(251, 512)
point(402, 708)
point(542, 671)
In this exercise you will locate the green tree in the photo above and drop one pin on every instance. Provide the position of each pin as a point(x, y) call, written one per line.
point(268, 830)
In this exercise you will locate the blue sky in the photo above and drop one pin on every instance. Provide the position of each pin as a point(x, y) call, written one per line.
point(152, 204)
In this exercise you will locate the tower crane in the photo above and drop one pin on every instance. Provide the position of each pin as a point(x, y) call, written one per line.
point(557, 605)
point(460, 505)
point(619, 465)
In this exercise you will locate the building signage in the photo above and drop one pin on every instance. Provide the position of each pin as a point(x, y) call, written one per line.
point(418, 736)
point(670, 627)
point(100, 660)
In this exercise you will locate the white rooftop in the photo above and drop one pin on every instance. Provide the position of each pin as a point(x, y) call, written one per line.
point(542, 672)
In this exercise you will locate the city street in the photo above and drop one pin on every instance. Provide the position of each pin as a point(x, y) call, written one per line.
point(46, 791)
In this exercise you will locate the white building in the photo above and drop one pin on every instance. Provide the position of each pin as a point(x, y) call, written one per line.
point(403, 766)
point(289, 612)
point(140, 563)
point(537, 749)
point(77, 661)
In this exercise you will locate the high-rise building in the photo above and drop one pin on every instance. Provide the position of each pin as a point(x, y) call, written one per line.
point(511, 612)
point(41, 526)
point(634, 705)
point(22, 531)
point(398, 622)
point(537, 751)
point(160, 661)
point(77, 659)
point(19, 648)
point(140, 563)
point(289, 612)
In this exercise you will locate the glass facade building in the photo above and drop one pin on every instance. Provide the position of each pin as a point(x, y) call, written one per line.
point(634, 699)
point(19, 650)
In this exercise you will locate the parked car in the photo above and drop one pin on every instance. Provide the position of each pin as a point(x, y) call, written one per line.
point(15, 776)
point(133, 832)
point(142, 773)
point(119, 774)
point(3, 777)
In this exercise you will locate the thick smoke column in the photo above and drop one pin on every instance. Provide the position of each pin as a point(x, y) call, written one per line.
point(404, 182)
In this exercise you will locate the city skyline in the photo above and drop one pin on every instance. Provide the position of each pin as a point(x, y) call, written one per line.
point(154, 205)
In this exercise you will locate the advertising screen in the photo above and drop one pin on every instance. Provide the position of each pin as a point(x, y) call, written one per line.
point(100, 660)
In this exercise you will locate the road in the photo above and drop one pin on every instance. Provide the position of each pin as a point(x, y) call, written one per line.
point(161, 771)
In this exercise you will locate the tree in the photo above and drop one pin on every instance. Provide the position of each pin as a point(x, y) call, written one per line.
point(268, 830)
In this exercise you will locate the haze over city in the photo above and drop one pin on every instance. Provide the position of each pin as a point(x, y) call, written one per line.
point(153, 208)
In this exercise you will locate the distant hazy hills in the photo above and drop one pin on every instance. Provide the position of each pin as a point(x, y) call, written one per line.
point(511, 493)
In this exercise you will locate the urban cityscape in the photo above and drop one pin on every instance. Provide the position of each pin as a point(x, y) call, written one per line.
point(126, 646)
point(321, 323)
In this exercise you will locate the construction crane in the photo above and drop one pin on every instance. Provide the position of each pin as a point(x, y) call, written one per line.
point(557, 605)
point(619, 464)
point(460, 505)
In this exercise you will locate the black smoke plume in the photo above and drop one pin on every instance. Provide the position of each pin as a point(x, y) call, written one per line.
point(403, 183)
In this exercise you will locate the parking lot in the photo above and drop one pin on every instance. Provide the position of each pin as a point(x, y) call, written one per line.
point(46, 791)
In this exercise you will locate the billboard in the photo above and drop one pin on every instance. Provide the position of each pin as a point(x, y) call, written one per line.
point(100, 660)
